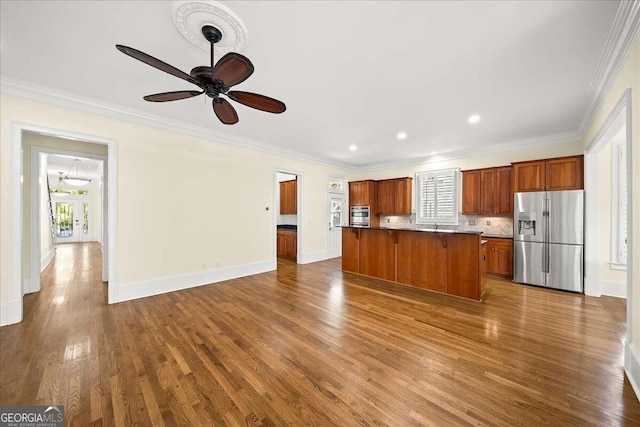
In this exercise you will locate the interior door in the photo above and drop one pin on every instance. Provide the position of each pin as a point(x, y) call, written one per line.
point(337, 218)
point(72, 220)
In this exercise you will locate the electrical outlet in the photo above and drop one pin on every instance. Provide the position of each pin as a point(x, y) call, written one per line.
point(388, 220)
point(488, 222)
point(472, 222)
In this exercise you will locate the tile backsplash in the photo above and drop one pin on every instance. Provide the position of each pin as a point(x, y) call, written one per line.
point(498, 225)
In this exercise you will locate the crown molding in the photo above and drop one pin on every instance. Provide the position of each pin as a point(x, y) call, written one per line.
point(45, 95)
point(467, 153)
point(623, 33)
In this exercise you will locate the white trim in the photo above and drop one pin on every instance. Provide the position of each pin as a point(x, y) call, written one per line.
point(26, 286)
point(15, 197)
point(616, 266)
point(618, 175)
point(623, 33)
point(592, 223)
point(11, 312)
point(613, 288)
point(45, 95)
point(632, 366)
point(162, 285)
point(619, 116)
point(313, 257)
point(47, 258)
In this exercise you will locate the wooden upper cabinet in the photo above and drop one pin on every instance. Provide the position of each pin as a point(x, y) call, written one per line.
point(394, 196)
point(503, 199)
point(362, 193)
point(471, 192)
point(563, 173)
point(289, 197)
point(403, 191)
point(385, 197)
point(487, 191)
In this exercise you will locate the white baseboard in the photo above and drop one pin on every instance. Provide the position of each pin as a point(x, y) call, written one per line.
point(314, 257)
point(613, 289)
point(146, 288)
point(44, 262)
point(26, 285)
point(632, 366)
point(11, 312)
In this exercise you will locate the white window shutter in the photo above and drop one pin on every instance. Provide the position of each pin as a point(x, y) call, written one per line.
point(437, 197)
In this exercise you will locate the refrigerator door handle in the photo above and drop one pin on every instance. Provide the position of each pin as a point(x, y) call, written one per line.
point(545, 258)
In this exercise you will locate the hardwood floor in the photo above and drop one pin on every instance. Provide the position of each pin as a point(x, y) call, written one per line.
point(309, 345)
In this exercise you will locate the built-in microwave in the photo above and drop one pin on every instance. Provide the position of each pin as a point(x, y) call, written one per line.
point(361, 216)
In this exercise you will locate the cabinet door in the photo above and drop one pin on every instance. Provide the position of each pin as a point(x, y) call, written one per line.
point(471, 192)
point(500, 256)
point(385, 197)
point(487, 191)
point(291, 245)
point(379, 260)
point(503, 196)
point(463, 277)
point(293, 197)
point(529, 176)
point(355, 198)
point(422, 260)
point(283, 198)
point(402, 196)
point(565, 173)
point(350, 250)
point(280, 244)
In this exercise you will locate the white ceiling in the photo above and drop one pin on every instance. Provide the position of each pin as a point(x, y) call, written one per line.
point(349, 72)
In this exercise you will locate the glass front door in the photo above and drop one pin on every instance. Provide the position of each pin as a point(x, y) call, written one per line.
point(72, 221)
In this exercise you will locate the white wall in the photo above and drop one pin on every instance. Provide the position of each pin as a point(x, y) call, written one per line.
point(209, 212)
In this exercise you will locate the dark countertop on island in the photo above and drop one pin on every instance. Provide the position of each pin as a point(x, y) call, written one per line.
point(420, 229)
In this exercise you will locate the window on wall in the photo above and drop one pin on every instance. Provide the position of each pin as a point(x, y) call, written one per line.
point(437, 197)
point(619, 205)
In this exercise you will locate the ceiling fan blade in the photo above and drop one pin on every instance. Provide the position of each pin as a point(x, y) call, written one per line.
point(225, 111)
point(156, 63)
point(232, 69)
point(259, 102)
point(172, 96)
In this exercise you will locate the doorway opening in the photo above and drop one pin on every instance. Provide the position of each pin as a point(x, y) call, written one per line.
point(337, 213)
point(30, 210)
point(286, 213)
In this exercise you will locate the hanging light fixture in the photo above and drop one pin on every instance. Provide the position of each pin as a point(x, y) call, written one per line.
point(75, 179)
point(59, 191)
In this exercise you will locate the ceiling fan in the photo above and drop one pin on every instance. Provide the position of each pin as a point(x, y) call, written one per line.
point(214, 81)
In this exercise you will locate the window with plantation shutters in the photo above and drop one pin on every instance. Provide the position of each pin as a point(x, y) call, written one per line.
point(619, 205)
point(437, 198)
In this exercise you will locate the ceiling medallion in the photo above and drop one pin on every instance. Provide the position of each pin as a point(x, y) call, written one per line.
point(190, 16)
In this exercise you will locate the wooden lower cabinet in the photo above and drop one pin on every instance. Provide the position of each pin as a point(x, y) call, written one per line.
point(350, 250)
point(463, 265)
point(287, 244)
point(377, 253)
point(422, 260)
point(441, 262)
point(500, 257)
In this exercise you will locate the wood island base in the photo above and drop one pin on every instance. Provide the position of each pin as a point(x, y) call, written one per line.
point(447, 262)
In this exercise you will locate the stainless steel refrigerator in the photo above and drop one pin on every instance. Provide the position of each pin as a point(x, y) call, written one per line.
point(548, 239)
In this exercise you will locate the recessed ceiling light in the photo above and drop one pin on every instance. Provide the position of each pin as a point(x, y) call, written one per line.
point(353, 147)
point(402, 135)
point(433, 153)
point(474, 118)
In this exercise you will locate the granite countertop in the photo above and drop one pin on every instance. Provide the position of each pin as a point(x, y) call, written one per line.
point(423, 230)
point(497, 236)
point(287, 227)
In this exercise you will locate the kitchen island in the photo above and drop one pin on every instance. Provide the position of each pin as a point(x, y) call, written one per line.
point(445, 261)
